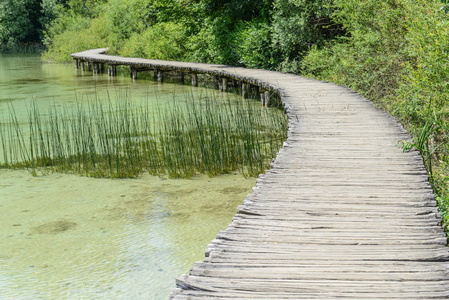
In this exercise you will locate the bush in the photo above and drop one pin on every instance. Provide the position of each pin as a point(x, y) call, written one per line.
point(79, 35)
point(161, 41)
point(370, 58)
point(253, 45)
point(298, 25)
point(426, 80)
point(19, 22)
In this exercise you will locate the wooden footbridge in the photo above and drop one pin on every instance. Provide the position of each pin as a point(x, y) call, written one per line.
point(343, 212)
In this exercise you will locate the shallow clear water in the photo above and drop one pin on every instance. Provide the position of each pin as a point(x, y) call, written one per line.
point(26, 79)
point(66, 236)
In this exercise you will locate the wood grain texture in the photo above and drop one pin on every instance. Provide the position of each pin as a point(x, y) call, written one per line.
point(343, 212)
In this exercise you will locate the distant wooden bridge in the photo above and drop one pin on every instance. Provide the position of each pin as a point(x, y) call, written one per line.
point(343, 212)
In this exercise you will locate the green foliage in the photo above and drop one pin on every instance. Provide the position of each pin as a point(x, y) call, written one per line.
point(19, 22)
point(80, 34)
point(299, 24)
point(162, 41)
point(370, 59)
point(85, 8)
point(199, 46)
point(222, 41)
point(426, 80)
point(238, 10)
point(262, 34)
point(253, 45)
point(224, 26)
point(128, 27)
point(120, 18)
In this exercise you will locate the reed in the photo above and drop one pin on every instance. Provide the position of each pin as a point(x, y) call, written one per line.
point(205, 134)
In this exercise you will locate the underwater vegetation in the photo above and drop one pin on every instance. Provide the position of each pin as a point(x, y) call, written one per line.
point(100, 138)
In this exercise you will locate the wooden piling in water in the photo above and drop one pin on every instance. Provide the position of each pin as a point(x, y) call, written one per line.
point(95, 67)
point(194, 79)
point(158, 75)
point(244, 87)
point(262, 96)
point(112, 70)
point(224, 84)
point(267, 98)
point(133, 72)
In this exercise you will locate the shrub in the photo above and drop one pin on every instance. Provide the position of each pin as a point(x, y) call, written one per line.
point(253, 45)
point(297, 25)
point(80, 34)
point(161, 41)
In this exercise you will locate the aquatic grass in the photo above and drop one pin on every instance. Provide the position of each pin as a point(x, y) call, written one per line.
point(204, 134)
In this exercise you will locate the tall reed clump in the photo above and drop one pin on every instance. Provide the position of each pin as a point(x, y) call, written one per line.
point(181, 139)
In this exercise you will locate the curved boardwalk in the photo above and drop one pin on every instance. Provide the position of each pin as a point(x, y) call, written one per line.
point(343, 213)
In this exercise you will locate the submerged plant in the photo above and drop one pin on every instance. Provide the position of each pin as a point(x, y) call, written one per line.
point(102, 139)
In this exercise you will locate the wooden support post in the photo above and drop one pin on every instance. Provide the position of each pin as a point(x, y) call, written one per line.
point(244, 90)
point(82, 66)
point(112, 70)
point(194, 79)
point(224, 84)
point(159, 75)
point(133, 71)
point(267, 98)
point(77, 63)
point(262, 96)
point(94, 67)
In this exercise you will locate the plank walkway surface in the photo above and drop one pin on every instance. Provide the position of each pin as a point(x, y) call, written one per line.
point(343, 212)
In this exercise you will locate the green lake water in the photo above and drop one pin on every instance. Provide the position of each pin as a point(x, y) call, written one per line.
point(65, 236)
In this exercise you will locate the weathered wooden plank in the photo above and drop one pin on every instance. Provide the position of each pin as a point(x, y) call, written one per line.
point(381, 266)
point(314, 287)
point(289, 273)
point(331, 237)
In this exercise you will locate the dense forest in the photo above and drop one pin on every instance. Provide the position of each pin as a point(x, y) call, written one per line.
point(394, 52)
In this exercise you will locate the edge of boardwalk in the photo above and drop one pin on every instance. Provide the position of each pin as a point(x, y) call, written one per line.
point(342, 213)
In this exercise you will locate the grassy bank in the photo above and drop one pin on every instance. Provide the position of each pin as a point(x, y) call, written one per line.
point(100, 139)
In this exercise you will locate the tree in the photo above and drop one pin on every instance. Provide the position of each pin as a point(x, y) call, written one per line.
point(23, 21)
point(299, 24)
point(19, 21)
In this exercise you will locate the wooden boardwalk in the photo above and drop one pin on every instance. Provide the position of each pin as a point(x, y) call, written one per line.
point(343, 213)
